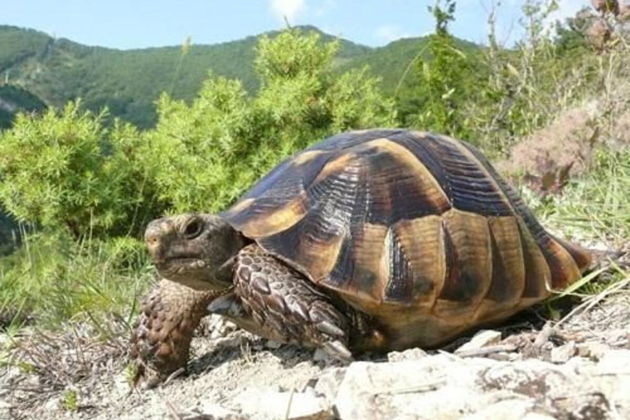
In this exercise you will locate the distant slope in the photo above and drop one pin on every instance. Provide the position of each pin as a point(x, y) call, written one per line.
point(391, 61)
point(8, 233)
point(128, 82)
point(14, 99)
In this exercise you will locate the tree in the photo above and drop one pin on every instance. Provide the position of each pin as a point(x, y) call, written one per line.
point(207, 153)
point(64, 170)
point(441, 82)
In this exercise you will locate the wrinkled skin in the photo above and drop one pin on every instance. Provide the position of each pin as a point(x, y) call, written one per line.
point(194, 250)
point(208, 267)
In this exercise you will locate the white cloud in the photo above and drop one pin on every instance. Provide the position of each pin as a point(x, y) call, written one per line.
point(390, 33)
point(288, 9)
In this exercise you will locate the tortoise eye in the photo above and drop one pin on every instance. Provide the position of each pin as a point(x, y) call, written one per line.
point(193, 228)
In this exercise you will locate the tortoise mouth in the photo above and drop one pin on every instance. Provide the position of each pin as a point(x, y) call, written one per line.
point(181, 265)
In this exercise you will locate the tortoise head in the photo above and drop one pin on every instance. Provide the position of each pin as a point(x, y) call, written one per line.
point(194, 249)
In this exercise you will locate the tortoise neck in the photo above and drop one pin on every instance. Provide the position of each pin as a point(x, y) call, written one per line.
point(225, 272)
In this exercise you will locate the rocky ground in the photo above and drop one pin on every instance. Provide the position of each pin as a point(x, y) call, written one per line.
point(574, 368)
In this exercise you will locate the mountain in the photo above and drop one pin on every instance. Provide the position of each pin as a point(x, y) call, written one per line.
point(129, 81)
point(14, 99)
point(394, 59)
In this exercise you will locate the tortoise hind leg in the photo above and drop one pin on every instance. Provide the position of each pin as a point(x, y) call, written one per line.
point(274, 301)
point(161, 339)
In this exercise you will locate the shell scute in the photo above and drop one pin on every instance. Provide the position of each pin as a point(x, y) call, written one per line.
point(396, 220)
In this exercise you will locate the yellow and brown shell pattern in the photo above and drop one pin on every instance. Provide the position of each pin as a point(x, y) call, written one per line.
point(415, 229)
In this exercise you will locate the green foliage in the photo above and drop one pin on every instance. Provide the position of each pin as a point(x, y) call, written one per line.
point(90, 183)
point(8, 233)
point(52, 278)
point(92, 187)
point(16, 44)
point(571, 35)
point(524, 88)
point(442, 82)
point(70, 400)
point(127, 82)
point(596, 205)
point(594, 208)
point(290, 56)
point(14, 99)
point(209, 152)
point(57, 173)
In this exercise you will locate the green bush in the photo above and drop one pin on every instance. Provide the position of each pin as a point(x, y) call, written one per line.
point(66, 171)
point(204, 155)
point(443, 83)
point(91, 187)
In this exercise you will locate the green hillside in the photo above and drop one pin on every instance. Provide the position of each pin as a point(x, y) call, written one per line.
point(127, 82)
point(391, 61)
point(14, 99)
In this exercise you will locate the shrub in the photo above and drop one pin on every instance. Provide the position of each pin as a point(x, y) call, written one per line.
point(66, 171)
point(204, 155)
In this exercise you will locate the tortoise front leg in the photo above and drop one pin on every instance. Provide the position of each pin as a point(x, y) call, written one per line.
point(272, 300)
point(161, 340)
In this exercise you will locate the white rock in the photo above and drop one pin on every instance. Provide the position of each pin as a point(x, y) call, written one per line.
point(483, 338)
point(592, 349)
point(410, 354)
point(563, 353)
point(410, 389)
point(615, 362)
point(264, 404)
point(328, 383)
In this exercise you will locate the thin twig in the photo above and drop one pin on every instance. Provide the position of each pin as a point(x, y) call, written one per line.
point(288, 410)
point(484, 351)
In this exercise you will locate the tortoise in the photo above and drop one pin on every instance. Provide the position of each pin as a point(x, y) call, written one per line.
point(372, 240)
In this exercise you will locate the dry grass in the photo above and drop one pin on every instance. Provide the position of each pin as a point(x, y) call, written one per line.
point(41, 364)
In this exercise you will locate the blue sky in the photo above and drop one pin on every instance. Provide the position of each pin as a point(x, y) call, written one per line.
point(145, 23)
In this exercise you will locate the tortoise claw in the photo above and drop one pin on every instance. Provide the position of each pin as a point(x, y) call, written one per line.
point(330, 329)
point(338, 350)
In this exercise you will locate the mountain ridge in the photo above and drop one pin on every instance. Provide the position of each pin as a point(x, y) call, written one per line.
point(128, 82)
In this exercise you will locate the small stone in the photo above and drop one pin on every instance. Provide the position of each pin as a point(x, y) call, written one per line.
point(592, 349)
point(563, 353)
point(410, 354)
point(483, 338)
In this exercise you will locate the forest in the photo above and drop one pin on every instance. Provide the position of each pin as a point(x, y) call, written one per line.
point(81, 176)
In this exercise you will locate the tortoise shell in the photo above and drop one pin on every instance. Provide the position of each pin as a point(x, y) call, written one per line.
point(411, 228)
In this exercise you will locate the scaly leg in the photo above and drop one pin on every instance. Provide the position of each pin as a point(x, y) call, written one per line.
point(161, 339)
point(272, 300)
